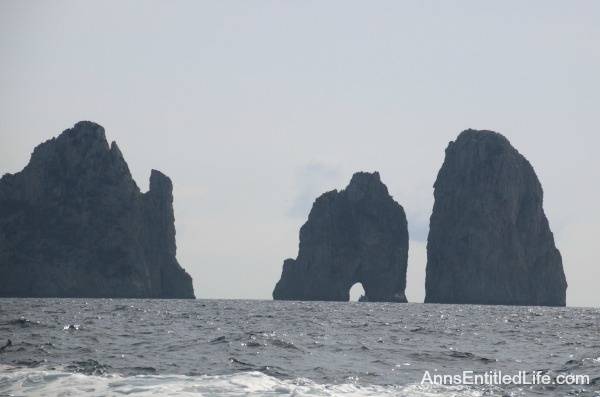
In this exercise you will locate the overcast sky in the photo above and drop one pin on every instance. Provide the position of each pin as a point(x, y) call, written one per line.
point(255, 108)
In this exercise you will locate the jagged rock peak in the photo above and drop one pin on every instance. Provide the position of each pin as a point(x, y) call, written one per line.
point(364, 183)
point(84, 139)
point(489, 239)
point(84, 136)
point(161, 183)
point(88, 130)
point(73, 223)
point(356, 235)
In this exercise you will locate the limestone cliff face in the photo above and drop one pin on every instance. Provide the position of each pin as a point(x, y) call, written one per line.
point(489, 240)
point(356, 235)
point(74, 223)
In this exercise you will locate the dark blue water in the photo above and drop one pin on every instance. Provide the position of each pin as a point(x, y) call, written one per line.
point(239, 348)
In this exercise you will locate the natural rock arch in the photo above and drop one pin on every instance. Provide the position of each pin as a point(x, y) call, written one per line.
point(356, 235)
point(357, 291)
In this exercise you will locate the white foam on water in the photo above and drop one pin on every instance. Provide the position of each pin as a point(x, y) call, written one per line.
point(41, 382)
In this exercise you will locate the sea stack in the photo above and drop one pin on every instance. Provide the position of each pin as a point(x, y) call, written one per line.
point(489, 240)
point(356, 235)
point(73, 223)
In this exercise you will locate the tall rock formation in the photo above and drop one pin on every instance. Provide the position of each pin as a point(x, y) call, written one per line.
point(489, 240)
point(74, 223)
point(356, 235)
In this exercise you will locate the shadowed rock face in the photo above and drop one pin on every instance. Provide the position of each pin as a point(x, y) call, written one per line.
point(489, 240)
point(74, 223)
point(355, 235)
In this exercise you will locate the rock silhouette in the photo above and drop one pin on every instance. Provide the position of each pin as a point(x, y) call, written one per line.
point(356, 235)
point(489, 240)
point(73, 223)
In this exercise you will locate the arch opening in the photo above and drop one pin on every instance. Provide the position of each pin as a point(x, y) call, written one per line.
point(356, 291)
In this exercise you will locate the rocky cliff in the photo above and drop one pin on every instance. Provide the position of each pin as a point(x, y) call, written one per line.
point(356, 235)
point(74, 223)
point(489, 240)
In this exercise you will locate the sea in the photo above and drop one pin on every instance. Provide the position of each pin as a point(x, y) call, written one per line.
point(121, 347)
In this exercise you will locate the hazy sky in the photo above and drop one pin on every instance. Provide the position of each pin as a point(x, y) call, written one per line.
point(255, 108)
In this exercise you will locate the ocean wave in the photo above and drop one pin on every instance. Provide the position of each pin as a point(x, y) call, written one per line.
point(27, 381)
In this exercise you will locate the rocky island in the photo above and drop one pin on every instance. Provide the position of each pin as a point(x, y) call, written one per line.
point(489, 240)
point(356, 235)
point(73, 223)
